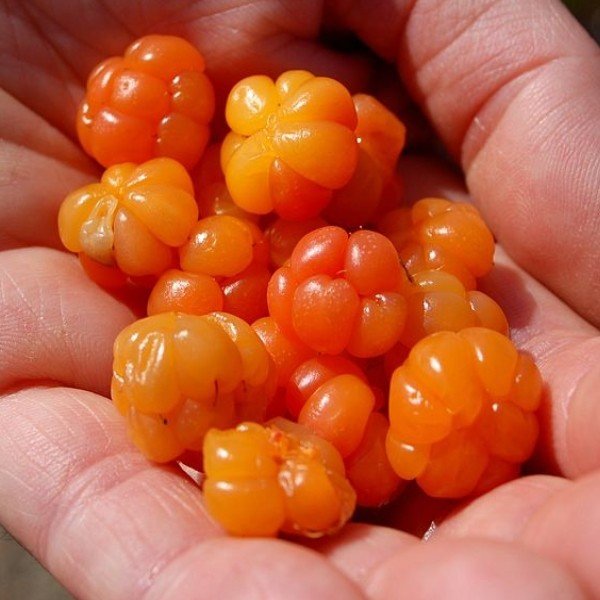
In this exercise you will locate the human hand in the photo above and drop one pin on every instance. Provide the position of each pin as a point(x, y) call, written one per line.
point(512, 89)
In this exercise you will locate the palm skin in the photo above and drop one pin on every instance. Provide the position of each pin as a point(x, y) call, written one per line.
point(512, 90)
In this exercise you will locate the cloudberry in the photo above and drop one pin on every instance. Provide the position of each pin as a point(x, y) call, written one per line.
point(212, 194)
point(292, 143)
point(380, 136)
point(284, 235)
point(368, 468)
point(462, 412)
point(311, 374)
point(153, 101)
point(264, 479)
point(439, 234)
point(180, 291)
point(438, 301)
point(133, 219)
point(340, 292)
point(175, 376)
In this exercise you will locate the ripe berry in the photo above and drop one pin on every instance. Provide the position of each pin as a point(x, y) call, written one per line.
point(340, 292)
point(462, 412)
point(292, 142)
point(133, 219)
point(175, 376)
point(153, 101)
point(439, 234)
point(437, 301)
point(380, 136)
point(262, 480)
point(368, 468)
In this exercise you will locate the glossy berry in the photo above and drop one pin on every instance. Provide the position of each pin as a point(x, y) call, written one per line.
point(180, 291)
point(263, 480)
point(368, 468)
point(462, 412)
point(437, 301)
point(153, 101)
point(287, 353)
point(284, 235)
point(212, 194)
point(380, 136)
point(133, 219)
point(245, 294)
point(442, 235)
point(338, 411)
point(292, 143)
point(340, 292)
point(175, 376)
point(311, 374)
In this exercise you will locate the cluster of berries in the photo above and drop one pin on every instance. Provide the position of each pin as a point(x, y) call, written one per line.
point(311, 344)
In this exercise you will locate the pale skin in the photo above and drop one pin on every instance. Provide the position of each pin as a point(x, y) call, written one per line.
point(513, 91)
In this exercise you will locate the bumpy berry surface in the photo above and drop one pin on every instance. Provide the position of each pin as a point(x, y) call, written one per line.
point(341, 292)
point(175, 376)
point(338, 411)
point(284, 235)
point(439, 234)
point(153, 101)
point(262, 480)
point(311, 374)
point(438, 301)
point(212, 194)
point(368, 468)
point(133, 219)
point(380, 136)
point(180, 291)
point(292, 143)
point(462, 412)
point(223, 267)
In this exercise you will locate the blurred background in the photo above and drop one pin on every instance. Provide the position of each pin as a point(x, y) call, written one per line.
point(22, 578)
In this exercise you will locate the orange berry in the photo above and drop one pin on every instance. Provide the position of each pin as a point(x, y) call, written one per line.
point(338, 411)
point(211, 191)
point(262, 480)
point(287, 353)
point(245, 294)
point(290, 145)
point(461, 412)
point(368, 468)
point(437, 301)
point(154, 101)
point(284, 235)
point(441, 235)
point(341, 292)
point(133, 219)
point(177, 375)
point(221, 246)
point(191, 293)
point(380, 136)
point(311, 374)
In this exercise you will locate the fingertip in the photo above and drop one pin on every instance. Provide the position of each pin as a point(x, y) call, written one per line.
point(458, 569)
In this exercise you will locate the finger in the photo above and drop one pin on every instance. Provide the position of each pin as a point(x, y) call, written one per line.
point(110, 525)
point(566, 529)
point(503, 513)
point(512, 87)
point(55, 324)
point(471, 569)
point(359, 548)
point(39, 166)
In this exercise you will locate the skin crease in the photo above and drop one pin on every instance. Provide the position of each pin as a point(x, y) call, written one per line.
point(110, 525)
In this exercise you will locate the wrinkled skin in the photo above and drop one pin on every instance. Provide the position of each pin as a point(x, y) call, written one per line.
point(513, 91)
